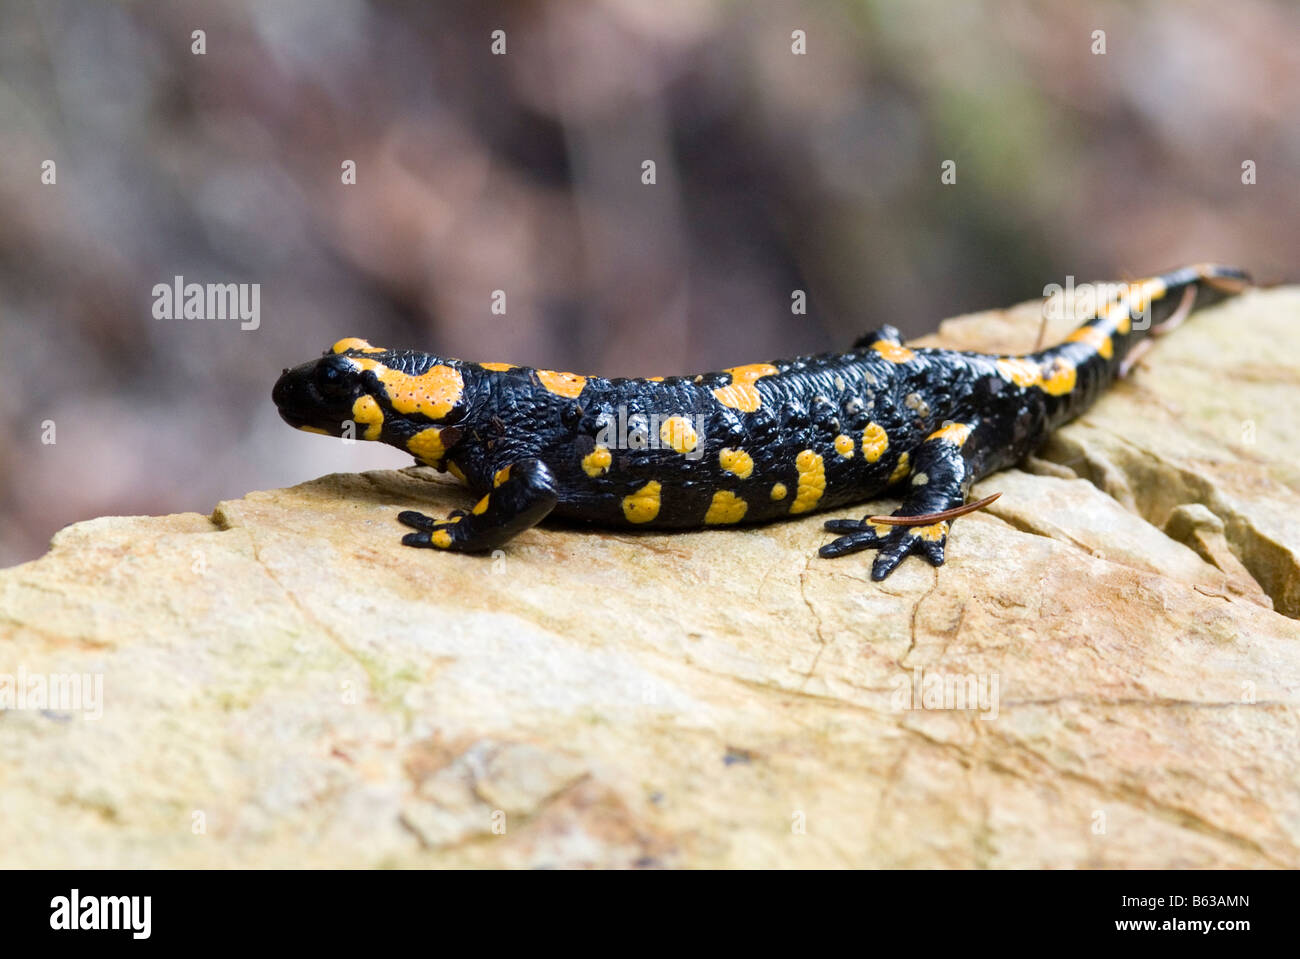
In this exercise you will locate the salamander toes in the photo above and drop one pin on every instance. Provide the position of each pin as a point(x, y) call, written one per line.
point(409, 517)
point(893, 550)
point(438, 535)
point(894, 546)
point(932, 551)
point(427, 524)
point(431, 533)
point(844, 525)
point(852, 543)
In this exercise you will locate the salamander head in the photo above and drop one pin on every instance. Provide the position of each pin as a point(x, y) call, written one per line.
point(360, 391)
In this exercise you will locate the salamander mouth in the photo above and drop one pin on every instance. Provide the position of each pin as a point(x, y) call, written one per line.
point(294, 421)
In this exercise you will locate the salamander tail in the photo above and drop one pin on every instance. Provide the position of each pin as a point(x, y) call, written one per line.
point(1117, 319)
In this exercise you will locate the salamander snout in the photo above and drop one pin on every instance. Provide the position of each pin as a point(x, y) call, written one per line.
point(319, 396)
point(287, 394)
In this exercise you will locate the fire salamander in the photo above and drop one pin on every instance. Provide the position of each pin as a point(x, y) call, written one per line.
point(750, 444)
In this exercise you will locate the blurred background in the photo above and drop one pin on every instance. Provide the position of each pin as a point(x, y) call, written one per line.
point(522, 172)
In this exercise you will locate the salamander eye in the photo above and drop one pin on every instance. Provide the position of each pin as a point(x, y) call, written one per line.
point(332, 378)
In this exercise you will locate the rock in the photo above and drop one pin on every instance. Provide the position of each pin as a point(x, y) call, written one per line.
point(284, 685)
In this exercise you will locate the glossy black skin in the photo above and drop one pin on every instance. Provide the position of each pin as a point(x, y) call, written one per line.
point(509, 419)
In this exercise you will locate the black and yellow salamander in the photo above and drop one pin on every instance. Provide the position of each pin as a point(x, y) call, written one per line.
point(750, 444)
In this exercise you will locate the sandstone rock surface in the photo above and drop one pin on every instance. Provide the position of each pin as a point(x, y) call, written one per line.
point(284, 685)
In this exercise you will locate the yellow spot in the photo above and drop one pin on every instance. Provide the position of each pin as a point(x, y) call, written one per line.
point(736, 462)
point(812, 481)
point(956, 433)
point(596, 463)
point(456, 471)
point(368, 414)
point(1062, 378)
point(427, 445)
point(900, 471)
point(934, 532)
point(892, 351)
point(741, 394)
point(726, 507)
point(355, 343)
point(1096, 338)
point(844, 446)
point(434, 393)
point(497, 367)
point(315, 429)
point(655, 379)
point(874, 442)
point(676, 432)
point(562, 384)
point(501, 476)
point(1020, 371)
point(883, 529)
point(643, 505)
point(779, 491)
point(440, 538)
point(481, 506)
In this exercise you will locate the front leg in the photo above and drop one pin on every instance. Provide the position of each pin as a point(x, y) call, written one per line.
point(943, 468)
point(524, 494)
